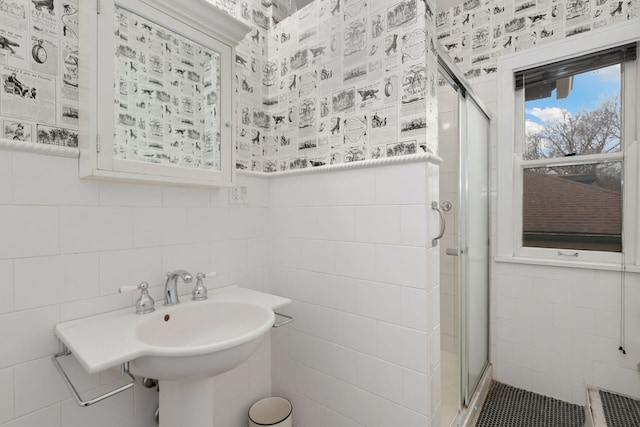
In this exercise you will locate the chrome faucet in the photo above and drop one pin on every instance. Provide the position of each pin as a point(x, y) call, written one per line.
point(171, 286)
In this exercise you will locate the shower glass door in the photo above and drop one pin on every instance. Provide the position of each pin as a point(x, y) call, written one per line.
point(474, 244)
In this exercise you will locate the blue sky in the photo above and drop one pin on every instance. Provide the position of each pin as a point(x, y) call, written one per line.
point(589, 90)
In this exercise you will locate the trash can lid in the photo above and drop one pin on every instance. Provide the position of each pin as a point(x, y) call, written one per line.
point(270, 411)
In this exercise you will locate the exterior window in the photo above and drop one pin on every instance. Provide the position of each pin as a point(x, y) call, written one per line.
point(572, 162)
point(568, 159)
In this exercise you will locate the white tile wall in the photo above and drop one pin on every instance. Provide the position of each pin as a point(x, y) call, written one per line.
point(377, 224)
point(28, 335)
point(403, 346)
point(29, 231)
point(401, 265)
point(257, 252)
point(49, 417)
point(6, 178)
point(319, 256)
point(336, 223)
point(354, 188)
point(138, 420)
point(112, 194)
point(358, 333)
point(412, 225)
point(337, 420)
point(352, 256)
point(415, 309)
point(129, 267)
point(86, 307)
point(6, 286)
point(320, 387)
point(203, 224)
point(379, 301)
point(68, 245)
point(414, 392)
point(229, 255)
point(185, 196)
point(104, 414)
point(358, 404)
point(91, 229)
point(35, 184)
point(400, 185)
point(354, 261)
point(7, 403)
point(382, 378)
point(49, 280)
point(159, 226)
point(393, 414)
point(357, 260)
point(194, 257)
point(38, 385)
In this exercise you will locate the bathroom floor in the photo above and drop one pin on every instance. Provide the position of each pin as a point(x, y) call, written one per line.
point(620, 411)
point(450, 367)
point(508, 406)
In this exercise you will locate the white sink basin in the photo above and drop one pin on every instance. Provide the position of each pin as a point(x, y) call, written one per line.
point(199, 339)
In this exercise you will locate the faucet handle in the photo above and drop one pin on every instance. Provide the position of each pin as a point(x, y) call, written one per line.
point(211, 274)
point(124, 289)
point(199, 292)
point(144, 304)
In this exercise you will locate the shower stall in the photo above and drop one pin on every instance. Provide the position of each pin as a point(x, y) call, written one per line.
point(464, 250)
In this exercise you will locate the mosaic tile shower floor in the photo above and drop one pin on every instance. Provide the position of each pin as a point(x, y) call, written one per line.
point(508, 406)
point(620, 411)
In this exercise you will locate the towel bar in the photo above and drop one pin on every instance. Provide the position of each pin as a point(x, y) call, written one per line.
point(125, 372)
point(284, 322)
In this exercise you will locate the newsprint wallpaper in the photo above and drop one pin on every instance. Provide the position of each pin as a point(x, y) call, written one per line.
point(342, 81)
point(337, 81)
point(39, 65)
point(477, 32)
point(39, 71)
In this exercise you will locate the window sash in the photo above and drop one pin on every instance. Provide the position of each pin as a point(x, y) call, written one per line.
point(580, 159)
point(560, 254)
point(509, 128)
point(555, 214)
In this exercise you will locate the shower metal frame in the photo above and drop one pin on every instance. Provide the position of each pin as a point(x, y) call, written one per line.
point(465, 94)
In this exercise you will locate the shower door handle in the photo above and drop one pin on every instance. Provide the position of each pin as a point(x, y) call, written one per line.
point(443, 224)
point(453, 251)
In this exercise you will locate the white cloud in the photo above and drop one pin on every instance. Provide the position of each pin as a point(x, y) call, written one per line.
point(549, 114)
point(531, 127)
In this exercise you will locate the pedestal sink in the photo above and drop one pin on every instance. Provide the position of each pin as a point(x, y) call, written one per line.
point(188, 344)
point(183, 346)
point(198, 340)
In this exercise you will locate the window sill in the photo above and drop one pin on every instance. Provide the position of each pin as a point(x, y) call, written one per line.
point(568, 264)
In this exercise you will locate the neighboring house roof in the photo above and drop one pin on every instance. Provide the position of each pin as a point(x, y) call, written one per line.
point(553, 204)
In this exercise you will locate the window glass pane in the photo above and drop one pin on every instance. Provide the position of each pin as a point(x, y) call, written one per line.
point(573, 207)
point(575, 115)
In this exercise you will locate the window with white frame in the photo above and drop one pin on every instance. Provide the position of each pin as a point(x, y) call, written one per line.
point(573, 157)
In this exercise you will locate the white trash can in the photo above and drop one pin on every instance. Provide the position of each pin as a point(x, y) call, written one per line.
point(271, 411)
